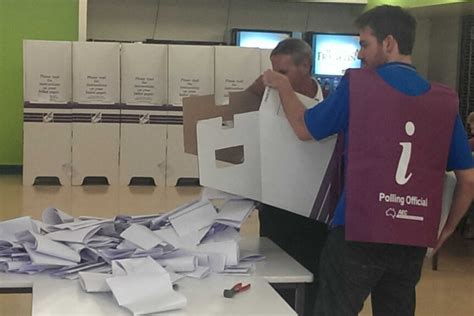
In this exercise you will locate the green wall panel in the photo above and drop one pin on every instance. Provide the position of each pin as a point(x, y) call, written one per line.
point(26, 19)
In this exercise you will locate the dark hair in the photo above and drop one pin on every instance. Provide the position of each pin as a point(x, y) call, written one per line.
point(387, 20)
point(298, 49)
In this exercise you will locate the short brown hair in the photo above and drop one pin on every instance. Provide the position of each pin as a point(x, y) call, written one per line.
point(388, 20)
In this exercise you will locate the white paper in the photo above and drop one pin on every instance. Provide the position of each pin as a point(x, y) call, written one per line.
point(199, 273)
point(54, 216)
point(92, 282)
point(180, 264)
point(9, 228)
point(235, 212)
point(194, 218)
point(141, 236)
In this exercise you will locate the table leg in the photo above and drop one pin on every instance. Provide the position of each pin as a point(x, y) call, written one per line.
point(300, 298)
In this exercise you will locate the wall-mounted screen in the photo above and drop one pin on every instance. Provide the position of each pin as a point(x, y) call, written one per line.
point(258, 38)
point(334, 53)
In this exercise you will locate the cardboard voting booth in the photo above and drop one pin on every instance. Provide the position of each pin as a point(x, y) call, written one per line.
point(96, 113)
point(236, 68)
point(143, 131)
point(276, 167)
point(191, 73)
point(47, 79)
point(265, 62)
point(179, 164)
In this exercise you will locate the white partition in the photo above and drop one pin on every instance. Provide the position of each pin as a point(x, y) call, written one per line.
point(144, 74)
point(178, 163)
point(191, 72)
point(96, 120)
point(95, 144)
point(47, 71)
point(47, 117)
point(236, 68)
point(144, 79)
point(96, 72)
point(265, 62)
point(143, 145)
point(46, 144)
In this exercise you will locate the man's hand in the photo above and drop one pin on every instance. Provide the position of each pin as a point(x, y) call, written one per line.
point(275, 80)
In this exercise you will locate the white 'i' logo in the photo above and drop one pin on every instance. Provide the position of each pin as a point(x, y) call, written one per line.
point(401, 177)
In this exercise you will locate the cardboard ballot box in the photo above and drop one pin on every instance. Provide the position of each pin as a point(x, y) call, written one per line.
point(47, 79)
point(276, 167)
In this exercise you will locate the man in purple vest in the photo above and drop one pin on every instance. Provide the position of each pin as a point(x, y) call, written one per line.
point(401, 133)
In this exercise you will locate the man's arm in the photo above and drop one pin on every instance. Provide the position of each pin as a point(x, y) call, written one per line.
point(257, 87)
point(292, 106)
point(462, 199)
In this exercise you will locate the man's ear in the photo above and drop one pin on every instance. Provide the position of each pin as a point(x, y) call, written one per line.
point(306, 64)
point(390, 45)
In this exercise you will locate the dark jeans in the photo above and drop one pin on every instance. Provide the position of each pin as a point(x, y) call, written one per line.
point(350, 271)
point(300, 237)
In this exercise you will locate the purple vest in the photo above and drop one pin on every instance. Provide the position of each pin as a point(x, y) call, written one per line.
point(397, 155)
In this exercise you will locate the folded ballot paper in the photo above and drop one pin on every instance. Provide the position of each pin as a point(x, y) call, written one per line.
point(137, 258)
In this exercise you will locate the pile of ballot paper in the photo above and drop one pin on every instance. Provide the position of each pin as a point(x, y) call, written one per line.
point(138, 258)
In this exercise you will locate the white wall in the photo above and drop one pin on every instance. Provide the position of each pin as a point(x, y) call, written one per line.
point(210, 20)
point(421, 50)
point(444, 46)
point(435, 53)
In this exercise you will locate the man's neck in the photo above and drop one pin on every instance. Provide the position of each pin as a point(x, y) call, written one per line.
point(307, 87)
point(406, 59)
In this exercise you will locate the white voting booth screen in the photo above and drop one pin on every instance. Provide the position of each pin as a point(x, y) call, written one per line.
point(47, 71)
point(265, 62)
point(96, 72)
point(144, 74)
point(236, 68)
point(47, 79)
point(143, 135)
point(191, 72)
point(96, 124)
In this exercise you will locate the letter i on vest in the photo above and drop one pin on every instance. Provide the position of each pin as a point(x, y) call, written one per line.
point(401, 176)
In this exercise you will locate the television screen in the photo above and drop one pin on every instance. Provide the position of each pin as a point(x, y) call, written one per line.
point(259, 39)
point(334, 53)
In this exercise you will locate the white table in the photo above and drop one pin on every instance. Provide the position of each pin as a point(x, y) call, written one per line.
point(57, 297)
point(279, 268)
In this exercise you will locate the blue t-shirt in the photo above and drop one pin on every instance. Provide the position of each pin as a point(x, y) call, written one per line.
point(332, 116)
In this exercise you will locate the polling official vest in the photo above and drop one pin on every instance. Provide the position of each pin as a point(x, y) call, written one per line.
point(397, 154)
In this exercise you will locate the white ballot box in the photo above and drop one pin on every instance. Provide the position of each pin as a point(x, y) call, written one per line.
point(47, 76)
point(96, 113)
point(236, 68)
point(191, 72)
point(144, 79)
point(277, 168)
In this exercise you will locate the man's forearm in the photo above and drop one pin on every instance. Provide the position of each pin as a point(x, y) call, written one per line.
point(294, 111)
point(462, 199)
